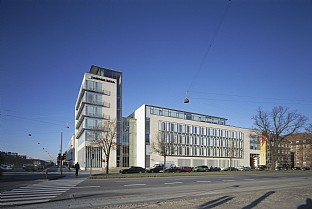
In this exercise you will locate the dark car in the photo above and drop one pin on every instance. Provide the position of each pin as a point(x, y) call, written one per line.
point(305, 168)
point(156, 169)
point(201, 168)
point(279, 168)
point(133, 169)
point(230, 169)
point(296, 168)
point(172, 170)
point(262, 168)
point(186, 169)
point(215, 169)
point(29, 167)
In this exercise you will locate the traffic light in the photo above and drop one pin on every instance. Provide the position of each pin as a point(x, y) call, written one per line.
point(64, 156)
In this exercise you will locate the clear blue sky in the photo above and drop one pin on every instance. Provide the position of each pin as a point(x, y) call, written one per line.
point(259, 55)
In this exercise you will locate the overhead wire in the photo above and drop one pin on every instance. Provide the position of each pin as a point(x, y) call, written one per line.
point(209, 46)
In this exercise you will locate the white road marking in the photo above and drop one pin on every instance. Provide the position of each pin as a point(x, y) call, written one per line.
point(130, 185)
point(249, 179)
point(85, 187)
point(203, 181)
point(228, 180)
point(178, 182)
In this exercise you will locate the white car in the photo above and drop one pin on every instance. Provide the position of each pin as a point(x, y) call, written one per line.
point(6, 168)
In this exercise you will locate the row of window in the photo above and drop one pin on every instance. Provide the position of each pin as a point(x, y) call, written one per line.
point(184, 115)
point(193, 151)
point(205, 131)
point(186, 139)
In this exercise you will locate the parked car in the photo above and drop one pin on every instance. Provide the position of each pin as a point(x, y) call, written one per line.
point(215, 169)
point(279, 168)
point(186, 169)
point(6, 168)
point(156, 169)
point(296, 168)
point(201, 168)
point(262, 168)
point(305, 168)
point(244, 168)
point(133, 169)
point(230, 169)
point(172, 170)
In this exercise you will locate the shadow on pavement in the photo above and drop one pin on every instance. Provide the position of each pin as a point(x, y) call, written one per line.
point(257, 201)
point(216, 202)
point(306, 206)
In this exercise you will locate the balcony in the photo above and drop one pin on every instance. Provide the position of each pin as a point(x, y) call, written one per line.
point(91, 89)
point(82, 128)
point(92, 102)
point(93, 115)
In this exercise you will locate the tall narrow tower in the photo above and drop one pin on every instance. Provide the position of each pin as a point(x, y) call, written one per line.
point(99, 99)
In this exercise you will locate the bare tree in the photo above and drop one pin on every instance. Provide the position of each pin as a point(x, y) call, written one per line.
point(163, 144)
point(309, 128)
point(276, 126)
point(106, 139)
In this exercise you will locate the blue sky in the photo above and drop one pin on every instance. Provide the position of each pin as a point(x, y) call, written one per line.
point(256, 55)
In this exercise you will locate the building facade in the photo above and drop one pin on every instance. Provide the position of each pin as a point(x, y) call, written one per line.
point(197, 139)
point(99, 99)
point(301, 148)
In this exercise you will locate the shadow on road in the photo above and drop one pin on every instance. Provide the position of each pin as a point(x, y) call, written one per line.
point(306, 206)
point(257, 201)
point(215, 203)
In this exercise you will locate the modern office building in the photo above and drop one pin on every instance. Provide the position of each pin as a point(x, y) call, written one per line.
point(99, 99)
point(196, 139)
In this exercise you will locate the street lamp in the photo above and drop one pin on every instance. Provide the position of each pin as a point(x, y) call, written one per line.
point(61, 160)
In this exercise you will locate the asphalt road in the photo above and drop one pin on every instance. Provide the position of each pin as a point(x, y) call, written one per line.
point(264, 190)
point(12, 180)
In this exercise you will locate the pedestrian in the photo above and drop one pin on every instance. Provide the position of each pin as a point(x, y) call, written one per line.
point(77, 167)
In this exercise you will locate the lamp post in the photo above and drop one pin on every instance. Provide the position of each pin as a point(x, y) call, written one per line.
point(61, 160)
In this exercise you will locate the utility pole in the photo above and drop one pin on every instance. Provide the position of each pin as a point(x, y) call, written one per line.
point(61, 160)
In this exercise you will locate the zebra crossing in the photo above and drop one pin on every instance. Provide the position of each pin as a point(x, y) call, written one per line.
point(37, 193)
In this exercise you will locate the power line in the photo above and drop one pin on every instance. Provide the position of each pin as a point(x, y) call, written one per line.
point(209, 46)
point(35, 120)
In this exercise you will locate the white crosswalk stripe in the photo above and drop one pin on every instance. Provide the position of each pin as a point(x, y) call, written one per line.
point(37, 193)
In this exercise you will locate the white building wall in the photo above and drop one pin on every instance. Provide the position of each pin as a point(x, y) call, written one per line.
point(198, 160)
point(110, 111)
point(140, 117)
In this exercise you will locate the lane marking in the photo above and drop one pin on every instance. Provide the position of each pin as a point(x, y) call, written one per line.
point(203, 181)
point(85, 187)
point(178, 182)
point(228, 180)
point(249, 179)
point(130, 185)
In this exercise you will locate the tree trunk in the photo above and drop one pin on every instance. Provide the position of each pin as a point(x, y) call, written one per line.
point(107, 164)
point(164, 162)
